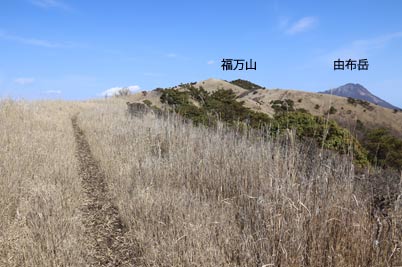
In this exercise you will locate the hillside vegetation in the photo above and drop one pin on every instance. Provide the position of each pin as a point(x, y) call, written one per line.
point(150, 191)
point(222, 105)
point(201, 196)
point(385, 150)
point(246, 84)
point(289, 109)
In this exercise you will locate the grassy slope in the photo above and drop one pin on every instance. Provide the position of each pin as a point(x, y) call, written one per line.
point(347, 114)
point(188, 195)
point(202, 197)
point(359, 118)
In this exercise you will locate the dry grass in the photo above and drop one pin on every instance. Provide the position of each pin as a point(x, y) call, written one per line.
point(39, 186)
point(188, 196)
point(346, 114)
point(259, 100)
point(196, 197)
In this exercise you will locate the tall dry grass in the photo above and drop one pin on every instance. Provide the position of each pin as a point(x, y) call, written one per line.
point(189, 196)
point(197, 197)
point(39, 185)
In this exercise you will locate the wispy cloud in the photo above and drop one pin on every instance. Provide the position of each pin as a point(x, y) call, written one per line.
point(24, 81)
point(171, 55)
point(114, 90)
point(302, 25)
point(176, 56)
point(35, 42)
point(55, 92)
point(361, 48)
point(50, 4)
point(282, 23)
point(210, 62)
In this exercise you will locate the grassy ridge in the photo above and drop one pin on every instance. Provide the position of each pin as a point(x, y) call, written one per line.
point(207, 196)
point(222, 105)
point(199, 196)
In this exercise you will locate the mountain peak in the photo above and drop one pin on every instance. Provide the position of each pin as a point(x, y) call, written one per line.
point(358, 91)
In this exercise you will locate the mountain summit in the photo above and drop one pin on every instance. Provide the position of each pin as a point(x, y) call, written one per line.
point(358, 91)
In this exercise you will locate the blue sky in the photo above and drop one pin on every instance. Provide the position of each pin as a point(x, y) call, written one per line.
point(74, 49)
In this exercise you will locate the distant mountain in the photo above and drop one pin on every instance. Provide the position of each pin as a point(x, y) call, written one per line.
point(357, 91)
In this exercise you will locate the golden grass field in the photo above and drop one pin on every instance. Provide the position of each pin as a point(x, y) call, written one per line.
point(40, 192)
point(177, 195)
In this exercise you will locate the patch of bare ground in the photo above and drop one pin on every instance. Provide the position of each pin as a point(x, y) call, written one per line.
point(105, 231)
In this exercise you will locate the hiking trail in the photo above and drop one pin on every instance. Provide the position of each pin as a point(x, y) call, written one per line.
point(104, 229)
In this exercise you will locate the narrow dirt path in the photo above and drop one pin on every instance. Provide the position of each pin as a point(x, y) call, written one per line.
point(104, 231)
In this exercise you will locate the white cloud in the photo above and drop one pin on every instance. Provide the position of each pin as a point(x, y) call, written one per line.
point(172, 55)
point(57, 92)
point(134, 88)
point(24, 81)
point(50, 4)
point(302, 25)
point(113, 91)
point(210, 62)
